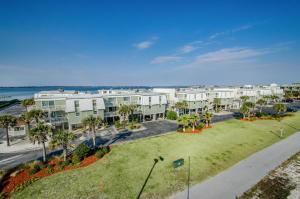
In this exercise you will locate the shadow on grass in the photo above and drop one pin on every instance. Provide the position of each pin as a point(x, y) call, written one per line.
point(276, 134)
point(156, 160)
point(290, 126)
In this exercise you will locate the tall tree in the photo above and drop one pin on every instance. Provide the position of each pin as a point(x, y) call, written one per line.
point(39, 134)
point(244, 110)
point(91, 123)
point(261, 103)
point(251, 107)
point(181, 106)
point(184, 121)
point(207, 117)
point(27, 102)
point(193, 119)
point(279, 108)
point(27, 118)
point(62, 139)
point(217, 104)
point(124, 111)
point(7, 121)
point(131, 109)
point(37, 115)
point(244, 98)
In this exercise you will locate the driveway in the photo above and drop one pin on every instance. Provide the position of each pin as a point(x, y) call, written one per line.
point(245, 174)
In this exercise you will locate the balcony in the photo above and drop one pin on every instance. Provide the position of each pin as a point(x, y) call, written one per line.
point(57, 120)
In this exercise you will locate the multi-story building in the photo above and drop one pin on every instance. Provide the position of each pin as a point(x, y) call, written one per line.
point(292, 90)
point(149, 105)
point(67, 109)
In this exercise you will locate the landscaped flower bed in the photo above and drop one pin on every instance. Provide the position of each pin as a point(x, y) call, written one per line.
point(28, 173)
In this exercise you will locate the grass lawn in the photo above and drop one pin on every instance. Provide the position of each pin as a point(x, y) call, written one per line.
point(122, 173)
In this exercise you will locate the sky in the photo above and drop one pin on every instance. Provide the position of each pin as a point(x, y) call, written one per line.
point(149, 43)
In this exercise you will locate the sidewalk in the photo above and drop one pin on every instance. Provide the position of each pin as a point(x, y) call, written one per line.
point(245, 174)
point(19, 146)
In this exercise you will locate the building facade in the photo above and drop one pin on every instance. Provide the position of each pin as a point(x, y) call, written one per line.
point(67, 109)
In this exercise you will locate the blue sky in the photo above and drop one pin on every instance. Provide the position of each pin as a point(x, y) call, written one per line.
point(148, 42)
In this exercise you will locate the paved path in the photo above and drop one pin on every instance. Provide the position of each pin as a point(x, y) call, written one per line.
point(242, 176)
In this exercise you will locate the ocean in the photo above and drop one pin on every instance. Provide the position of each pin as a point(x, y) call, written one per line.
point(10, 93)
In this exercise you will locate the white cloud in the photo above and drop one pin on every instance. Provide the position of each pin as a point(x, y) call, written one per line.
point(190, 47)
point(165, 59)
point(238, 29)
point(226, 56)
point(145, 44)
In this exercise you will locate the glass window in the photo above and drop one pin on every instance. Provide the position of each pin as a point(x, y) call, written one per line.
point(51, 103)
point(45, 103)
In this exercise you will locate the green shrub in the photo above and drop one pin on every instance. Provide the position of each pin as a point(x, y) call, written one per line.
point(200, 126)
point(102, 151)
point(75, 159)
point(3, 195)
point(82, 151)
point(36, 168)
point(171, 115)
point(258, 114)
point(99, 154)
point(50, 168)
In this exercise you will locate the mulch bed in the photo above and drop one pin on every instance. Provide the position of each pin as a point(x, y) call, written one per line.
point(190, 131)
point(12, 182)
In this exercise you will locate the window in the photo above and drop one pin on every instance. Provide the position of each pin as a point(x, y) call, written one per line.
point(159, 99)
point(45, 103)
point(126, 99)
point(149, 100)
point(94, 107)
point(51, 103)
point(76, 104)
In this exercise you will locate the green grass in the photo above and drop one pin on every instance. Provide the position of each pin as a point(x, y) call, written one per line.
point(123, 172)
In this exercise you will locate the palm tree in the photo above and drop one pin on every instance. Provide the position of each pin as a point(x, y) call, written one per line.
point(193, 119)
point(181, 106)
point(274, 98)
point(124, 111)
point(244, 110)
point(40, 134)
point(244, 98)
point(184, 121)
point(217, 104)
point(207, 117)
point(27, 102)
point(27, 118)
point(131, 109)
point(279, 108)
point(251, 106)
point(62, 139)
point(261, 103)
point(7, 121)
point(36, 114)
point(91, 123)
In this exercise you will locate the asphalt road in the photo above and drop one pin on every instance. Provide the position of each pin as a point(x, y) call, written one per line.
point(9, 160)
point(245, 174)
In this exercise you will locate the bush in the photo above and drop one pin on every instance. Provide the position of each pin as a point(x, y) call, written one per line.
point(171, 115)
point(258, 114)
point(99, 154)
point(36, 168)
point(200, 126)
point(134, 125)
point(82, 151)
point(75, 159)
point(50, 168)
point(102, 151)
